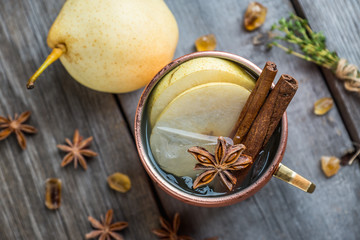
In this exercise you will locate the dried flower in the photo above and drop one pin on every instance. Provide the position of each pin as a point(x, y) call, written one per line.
point(169, 231)
point(106, 230)
point(77, 150)
point(10, 125)
point(226, 159)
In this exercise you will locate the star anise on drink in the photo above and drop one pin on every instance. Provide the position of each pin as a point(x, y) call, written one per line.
point(10, 125)
point(77, 150)
point(106, 230)
point(227, 158)
point(169, 231)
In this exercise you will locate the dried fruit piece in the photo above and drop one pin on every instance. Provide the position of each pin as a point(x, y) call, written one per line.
point(330, 165)
point(255, 16)
point(323, 105)
point(206, 43)
point(53, 193)
point(119, 182)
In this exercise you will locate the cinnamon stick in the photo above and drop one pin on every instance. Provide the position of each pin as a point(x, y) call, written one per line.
point(270, 115)
point(254, 102)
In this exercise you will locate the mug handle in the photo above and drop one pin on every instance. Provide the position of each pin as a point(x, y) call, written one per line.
point(287, 175)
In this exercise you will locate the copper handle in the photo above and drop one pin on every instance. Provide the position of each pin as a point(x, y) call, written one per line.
point(287, 175)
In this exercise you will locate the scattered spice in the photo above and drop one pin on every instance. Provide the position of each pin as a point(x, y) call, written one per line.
point(10, 125)
point(269, 115)
point(106, 230)
point(119, 182)
point(330, 165)
point(313, 46)
point(350, 157)
point(77, 150)
point(263, 38)
point(255, 16)
point(323, 105)
point(53, 193)
point(206, 43)
point(254, 102)
point(226, 159)
point(169, 231)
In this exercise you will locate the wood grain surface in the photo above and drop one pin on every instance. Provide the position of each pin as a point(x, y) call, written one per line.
point(339, 21)
point(59, 105)
point(278, 211)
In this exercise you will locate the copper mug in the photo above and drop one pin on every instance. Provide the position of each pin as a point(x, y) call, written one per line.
point(275, 168)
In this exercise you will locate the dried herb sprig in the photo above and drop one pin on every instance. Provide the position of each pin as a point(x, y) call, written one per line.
point(313, 47)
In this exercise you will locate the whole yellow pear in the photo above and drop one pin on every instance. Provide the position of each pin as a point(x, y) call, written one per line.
point(112, 45)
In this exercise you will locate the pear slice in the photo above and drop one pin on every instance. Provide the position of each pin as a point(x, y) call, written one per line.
point(193, 73)
point(196, 117)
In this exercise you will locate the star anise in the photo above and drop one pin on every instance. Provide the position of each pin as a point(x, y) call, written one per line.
point(226, 159)
point(106, 230)
point(169, 231)
point(10, 125)
point(77, 150)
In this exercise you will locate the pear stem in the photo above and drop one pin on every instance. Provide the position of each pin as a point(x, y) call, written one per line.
point(53, 56)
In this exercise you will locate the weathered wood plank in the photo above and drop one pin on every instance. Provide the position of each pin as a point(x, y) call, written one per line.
point(278, 211)
point(339, 21)
point(59, 105)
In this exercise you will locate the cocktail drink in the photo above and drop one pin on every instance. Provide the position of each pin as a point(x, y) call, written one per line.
point(193, 105)
point(188, 135)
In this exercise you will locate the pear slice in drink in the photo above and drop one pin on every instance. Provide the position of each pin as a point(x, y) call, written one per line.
point(193, 73)
point(196, 117)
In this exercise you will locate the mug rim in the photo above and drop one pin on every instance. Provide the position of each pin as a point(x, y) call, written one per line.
point(204, 201)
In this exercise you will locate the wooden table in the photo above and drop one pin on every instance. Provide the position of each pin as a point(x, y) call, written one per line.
point(59, 105)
